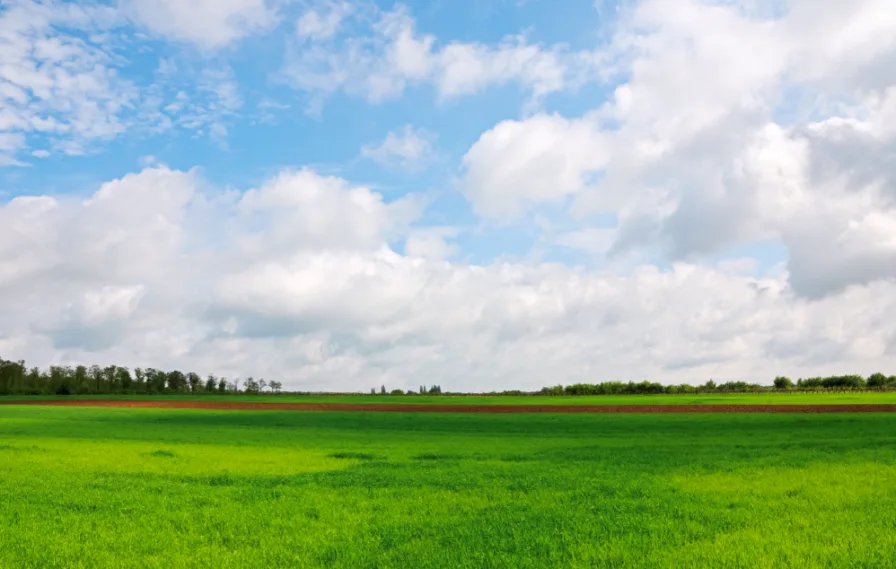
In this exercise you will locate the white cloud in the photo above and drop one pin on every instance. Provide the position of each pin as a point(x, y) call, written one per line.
point(322, 22)
point(408, 149)
point(431, 243)
point(543, 158)
point(209, 24)
point(297, 283)
point(592, 240)
point(394, 56)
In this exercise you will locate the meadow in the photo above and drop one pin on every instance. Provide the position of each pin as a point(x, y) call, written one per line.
point(106, 487)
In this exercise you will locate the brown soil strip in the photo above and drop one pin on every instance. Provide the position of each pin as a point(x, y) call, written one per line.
point(410, 408)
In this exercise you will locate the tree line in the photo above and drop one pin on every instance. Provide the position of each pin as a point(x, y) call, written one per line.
point(877, 381)
point(17, 379)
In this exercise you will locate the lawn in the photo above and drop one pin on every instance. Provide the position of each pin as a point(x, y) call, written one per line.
point(772, 398)
point(96, 487)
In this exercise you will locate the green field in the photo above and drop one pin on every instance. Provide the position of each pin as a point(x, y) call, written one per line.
point(91, 487)
point(786, 398)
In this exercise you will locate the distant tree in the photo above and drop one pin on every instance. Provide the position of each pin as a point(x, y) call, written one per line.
point(139, 379)
point(782, 382)
point(396, 392)
point(110, 377)
point(262, 384)
point(177, 381)
point(877, 380)
point(222, 385)
point(275, 386)
point(251, 386)
point(709, 385)
point(96, 377)
point(124, 379)
point(211, 384)
point(194, 381)
point(81, 381)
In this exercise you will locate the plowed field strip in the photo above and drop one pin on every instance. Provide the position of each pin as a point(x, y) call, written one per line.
point(410, 408)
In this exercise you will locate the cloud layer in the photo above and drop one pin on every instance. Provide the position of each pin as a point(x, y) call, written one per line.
point(296, 280)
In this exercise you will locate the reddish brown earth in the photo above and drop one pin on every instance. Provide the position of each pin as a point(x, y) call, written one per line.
point(410, 408)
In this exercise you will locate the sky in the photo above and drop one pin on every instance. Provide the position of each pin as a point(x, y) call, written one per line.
point(478, 194)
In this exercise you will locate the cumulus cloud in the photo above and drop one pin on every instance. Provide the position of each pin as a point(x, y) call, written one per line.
point(731, 124)
point(408, 149)
point(543, 158)
point(298, 280)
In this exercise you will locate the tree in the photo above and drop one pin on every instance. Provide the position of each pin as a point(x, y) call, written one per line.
point(275, 386)
point(262, 384)
point(124, 379)
point(251, 386)
point(139, 379)
point(211, 384)
point(222, 385)
point(177, 381)
point(80, 381)
point(96, 378)
point(782, 382)
point(710, 385)
point(877, 380)
point(194, 380)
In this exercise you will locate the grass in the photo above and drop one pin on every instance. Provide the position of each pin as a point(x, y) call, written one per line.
point(786, 398)
point(92, 487)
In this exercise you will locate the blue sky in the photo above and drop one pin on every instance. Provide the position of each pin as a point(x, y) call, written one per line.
point(361, 190)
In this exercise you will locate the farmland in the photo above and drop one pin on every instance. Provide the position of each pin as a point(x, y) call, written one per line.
point(107, 487)
point(772, 398)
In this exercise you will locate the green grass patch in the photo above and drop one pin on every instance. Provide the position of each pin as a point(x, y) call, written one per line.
point(183, 488)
